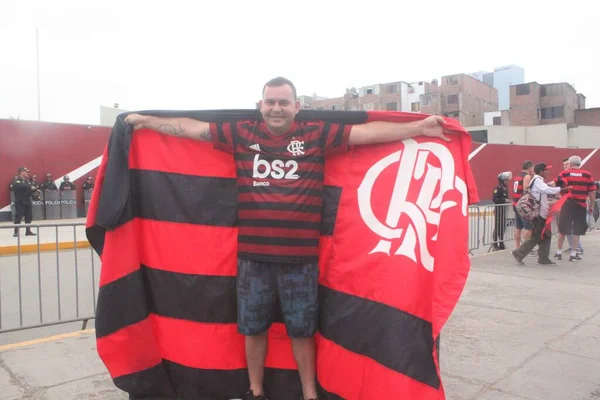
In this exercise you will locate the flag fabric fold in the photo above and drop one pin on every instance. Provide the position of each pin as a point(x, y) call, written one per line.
point(393, 262)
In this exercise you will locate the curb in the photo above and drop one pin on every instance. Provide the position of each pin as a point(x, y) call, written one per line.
point(33, 248)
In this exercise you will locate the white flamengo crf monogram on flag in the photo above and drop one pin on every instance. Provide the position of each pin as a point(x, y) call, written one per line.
point(412, 166)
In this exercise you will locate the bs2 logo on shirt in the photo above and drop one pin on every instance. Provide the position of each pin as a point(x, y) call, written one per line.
point(276, 169)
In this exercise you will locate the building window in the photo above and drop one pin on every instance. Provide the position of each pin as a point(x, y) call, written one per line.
point(497, 121)
point(426, 100)
point(389, 89)
point(391, 106)
point(479, 136)
point(369, 91)
point(451, 80)
point(452, 99)
point(553, 112)
point(543, 91)
point(415, 106)
point(523, 89)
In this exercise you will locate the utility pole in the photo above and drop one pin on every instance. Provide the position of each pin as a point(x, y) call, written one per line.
point(37, 53)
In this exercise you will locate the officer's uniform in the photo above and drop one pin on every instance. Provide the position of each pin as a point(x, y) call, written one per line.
point(23, 206)
point(87, 185)
point(500, 196)
point(66, 185)
point(48, 185)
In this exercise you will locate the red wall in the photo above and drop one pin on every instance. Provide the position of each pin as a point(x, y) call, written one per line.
point(496, 158)
point(47, 147)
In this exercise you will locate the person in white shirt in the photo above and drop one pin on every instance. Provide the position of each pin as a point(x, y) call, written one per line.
point(540, 191)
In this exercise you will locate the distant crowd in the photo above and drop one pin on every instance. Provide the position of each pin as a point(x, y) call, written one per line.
point(574, 186)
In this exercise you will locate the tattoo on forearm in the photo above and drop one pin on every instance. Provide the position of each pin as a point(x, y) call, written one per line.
point(170, 129)
point(206, 134)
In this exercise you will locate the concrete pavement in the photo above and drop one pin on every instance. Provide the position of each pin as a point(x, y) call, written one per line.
point(519, 332)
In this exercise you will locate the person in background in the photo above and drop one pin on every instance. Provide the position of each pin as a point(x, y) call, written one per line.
point(573, 217)
point(522, 228)
point(23, 189)
point(88, 184)
point(540, 190)
point(559, 182)
point(37, 194)
point(48, 183)
point(66, 184)
point(500, 198)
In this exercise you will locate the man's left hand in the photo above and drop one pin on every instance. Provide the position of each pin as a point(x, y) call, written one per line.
point(433, 126)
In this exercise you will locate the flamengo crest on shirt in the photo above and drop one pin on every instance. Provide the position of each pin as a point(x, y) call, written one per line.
point(296, 148)
point(413, 165)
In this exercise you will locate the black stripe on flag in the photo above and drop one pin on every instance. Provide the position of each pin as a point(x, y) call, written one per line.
point(197, 298)
point(393, 338)
point(152, 382)
point(331, 201)
point(121, 303)
point(207, 384)
point(182, 198)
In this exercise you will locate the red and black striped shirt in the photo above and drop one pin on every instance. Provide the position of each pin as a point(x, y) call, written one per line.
point(518, 187)
point(280, 185)
point(581, 181)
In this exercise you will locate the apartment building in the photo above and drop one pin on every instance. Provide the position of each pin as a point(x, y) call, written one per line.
point(462, 97)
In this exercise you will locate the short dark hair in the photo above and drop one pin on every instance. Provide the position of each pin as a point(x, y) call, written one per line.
point(527, 164)
point(280, 81)
point(565, 159)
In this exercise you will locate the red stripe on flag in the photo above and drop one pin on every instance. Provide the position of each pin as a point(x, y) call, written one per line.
point(179, 244)
point(129, 350)
point(158, 150)
point(120, 253)
point(334, 362)
point(216, 346)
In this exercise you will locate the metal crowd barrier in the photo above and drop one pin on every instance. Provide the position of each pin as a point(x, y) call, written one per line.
point(474, 228)
point(47, 282)
point(490, 225)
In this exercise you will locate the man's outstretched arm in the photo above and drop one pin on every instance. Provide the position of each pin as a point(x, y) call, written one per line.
point(181, 127)
point(383, 131)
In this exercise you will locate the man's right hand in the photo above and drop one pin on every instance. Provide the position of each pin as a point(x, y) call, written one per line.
point(136, 120)
point(566, 189)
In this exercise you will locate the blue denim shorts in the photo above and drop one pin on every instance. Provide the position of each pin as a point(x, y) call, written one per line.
point(260, 285)
point(519, 223)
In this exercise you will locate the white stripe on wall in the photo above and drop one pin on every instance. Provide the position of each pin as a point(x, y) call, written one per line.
point(477, 150)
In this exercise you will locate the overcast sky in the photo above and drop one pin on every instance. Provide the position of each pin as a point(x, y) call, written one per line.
point(204, 55)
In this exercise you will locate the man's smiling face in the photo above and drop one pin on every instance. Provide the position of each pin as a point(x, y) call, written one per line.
point(279, 108)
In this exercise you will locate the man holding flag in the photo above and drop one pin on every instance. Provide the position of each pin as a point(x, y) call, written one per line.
point(280, 184)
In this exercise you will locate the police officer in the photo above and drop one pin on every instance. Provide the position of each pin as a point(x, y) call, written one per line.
point(500, 196)
point(23, 189)
point(88, 184)
point(48, 183)
point(36, 195)
point(66, 184)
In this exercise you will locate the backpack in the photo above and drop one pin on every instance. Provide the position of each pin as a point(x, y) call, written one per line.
point(528, 207)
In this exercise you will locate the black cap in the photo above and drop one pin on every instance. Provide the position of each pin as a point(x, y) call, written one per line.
point(541, 167)
point(23, 169)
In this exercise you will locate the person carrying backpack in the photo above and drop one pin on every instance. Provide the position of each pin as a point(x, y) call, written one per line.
point(539, 190)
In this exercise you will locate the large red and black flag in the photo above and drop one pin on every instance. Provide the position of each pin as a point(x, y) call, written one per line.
point(393, 259)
